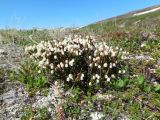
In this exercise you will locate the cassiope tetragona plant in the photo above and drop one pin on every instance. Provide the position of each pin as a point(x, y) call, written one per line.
point(79, 60)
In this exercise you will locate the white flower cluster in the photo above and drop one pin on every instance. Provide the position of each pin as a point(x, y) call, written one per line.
point(79, 59)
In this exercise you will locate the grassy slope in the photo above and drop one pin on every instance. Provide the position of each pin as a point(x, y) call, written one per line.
point(147, 21)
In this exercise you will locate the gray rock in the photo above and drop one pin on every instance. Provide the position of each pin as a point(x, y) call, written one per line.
point(139, 57)
point(42, 101)
point(3, 52)
point(96, 115)
point(11, 104)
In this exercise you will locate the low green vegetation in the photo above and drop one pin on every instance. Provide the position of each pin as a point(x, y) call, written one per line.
point(24, 37)
point(36, 114)
point(32, 79)
point(134, 97)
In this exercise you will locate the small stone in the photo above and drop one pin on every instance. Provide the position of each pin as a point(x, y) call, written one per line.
point(3, 52)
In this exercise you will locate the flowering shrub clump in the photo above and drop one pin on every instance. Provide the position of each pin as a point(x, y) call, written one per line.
point(79, 60)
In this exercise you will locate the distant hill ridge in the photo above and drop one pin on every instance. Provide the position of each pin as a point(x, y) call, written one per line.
point(132, 13)
point(148, 18)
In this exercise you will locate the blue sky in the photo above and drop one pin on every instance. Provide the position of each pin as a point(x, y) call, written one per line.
point(63, 13)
